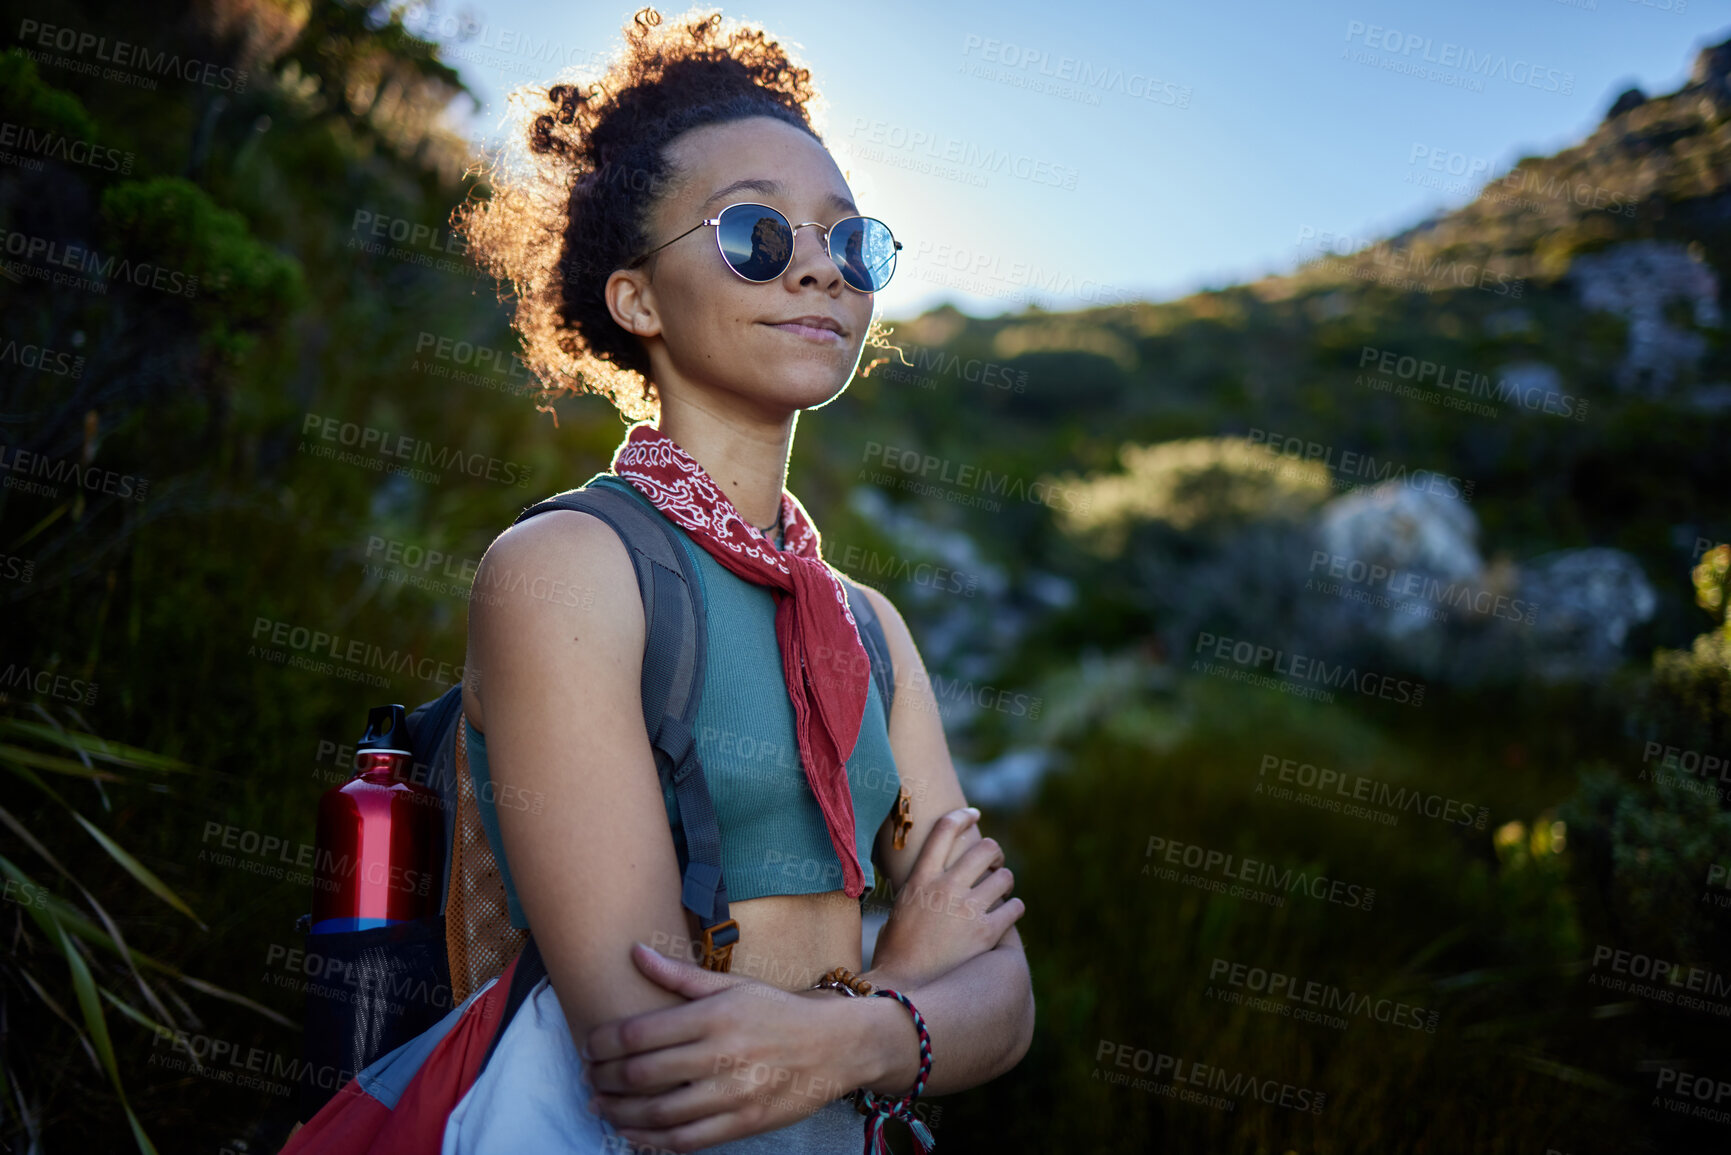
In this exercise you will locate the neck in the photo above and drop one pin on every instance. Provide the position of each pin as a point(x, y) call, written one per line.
point(745, 454)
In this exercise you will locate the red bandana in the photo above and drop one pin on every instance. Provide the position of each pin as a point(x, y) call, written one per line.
point(824, 663)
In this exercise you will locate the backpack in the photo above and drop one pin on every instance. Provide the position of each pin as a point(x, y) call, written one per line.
point(401, 982)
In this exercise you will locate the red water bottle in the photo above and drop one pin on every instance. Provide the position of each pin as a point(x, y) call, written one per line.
point(380, 842)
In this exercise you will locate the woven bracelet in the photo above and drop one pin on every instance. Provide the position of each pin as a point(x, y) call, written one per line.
point(879, 1109)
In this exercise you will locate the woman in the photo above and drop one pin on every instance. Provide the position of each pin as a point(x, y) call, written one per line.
point(619, 286)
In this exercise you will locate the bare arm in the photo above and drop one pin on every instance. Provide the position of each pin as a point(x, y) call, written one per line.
point(981, 1012)
point(594, 862)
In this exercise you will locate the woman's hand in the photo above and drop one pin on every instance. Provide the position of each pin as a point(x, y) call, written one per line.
point(740, 1058)
point(943, 917)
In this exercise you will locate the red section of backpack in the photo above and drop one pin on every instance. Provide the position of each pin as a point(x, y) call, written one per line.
point(356, 1123)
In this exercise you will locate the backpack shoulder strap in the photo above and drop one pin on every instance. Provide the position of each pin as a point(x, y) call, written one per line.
point(877, 646)
point(675, 643)
point(432, 740)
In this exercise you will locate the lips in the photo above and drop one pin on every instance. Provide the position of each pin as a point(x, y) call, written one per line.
point(813, 321)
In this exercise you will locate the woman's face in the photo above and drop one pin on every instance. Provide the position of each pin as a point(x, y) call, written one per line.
point(708, 330)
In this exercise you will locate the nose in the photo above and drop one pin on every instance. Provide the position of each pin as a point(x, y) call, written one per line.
point(824, 274)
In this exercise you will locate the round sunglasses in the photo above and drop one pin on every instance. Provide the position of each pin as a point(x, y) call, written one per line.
point(757, 242)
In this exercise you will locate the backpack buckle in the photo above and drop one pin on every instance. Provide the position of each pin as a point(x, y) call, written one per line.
point(719, 958)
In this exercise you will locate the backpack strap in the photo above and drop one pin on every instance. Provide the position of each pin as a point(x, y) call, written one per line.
point(530, 969)
point(871, 635)
point(675, 642)
point(432, 741)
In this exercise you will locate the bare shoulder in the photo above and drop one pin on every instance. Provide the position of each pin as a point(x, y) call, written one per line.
point(557, 571)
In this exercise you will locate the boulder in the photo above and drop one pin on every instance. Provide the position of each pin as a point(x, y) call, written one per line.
point(1588, 600)
point(1636, 281)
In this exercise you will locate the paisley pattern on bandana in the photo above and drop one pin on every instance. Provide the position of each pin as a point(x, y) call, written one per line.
point(827, 670)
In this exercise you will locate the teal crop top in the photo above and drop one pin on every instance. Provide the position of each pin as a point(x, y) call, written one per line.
point(773, 836)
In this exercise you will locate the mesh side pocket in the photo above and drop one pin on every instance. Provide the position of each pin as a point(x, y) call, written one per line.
point(368, 992)
point(479, 937)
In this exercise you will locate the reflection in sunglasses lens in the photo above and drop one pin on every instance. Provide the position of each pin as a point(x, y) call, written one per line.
point(865, 252)
point(756, 241)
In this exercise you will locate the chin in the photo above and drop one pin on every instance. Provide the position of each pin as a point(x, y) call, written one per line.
point(805, 382)
point(805, 387)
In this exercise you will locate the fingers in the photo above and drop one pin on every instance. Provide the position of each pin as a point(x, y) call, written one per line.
point(650, 1031)
point(999, 922)
point(994, 886)
point(648, 1073)
point(934, 856)
point(983, 856)
point(670, 1109)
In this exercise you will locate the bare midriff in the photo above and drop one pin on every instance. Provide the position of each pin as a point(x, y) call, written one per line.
point(785, 940)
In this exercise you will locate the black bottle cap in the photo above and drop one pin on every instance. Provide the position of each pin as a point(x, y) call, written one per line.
point(387, 731)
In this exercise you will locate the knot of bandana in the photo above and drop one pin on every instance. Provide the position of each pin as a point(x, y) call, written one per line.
point(826, 667)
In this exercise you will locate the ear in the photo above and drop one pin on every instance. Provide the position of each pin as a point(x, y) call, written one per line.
point(631, 299)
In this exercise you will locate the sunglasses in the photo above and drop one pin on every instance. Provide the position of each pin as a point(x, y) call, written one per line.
point(757, 243)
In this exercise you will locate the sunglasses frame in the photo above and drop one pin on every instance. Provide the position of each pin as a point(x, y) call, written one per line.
point(793, 228)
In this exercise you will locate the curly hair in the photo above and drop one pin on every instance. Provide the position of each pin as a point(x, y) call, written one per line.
point(585, 164)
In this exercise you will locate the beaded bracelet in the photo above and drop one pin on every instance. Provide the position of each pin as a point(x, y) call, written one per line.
point(878, 1109)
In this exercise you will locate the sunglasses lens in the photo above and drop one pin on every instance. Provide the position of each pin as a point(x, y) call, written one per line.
point(864, 250)
point(756, 241)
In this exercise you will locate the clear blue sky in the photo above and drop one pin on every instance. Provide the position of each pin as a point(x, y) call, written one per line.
point(1185, 145)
